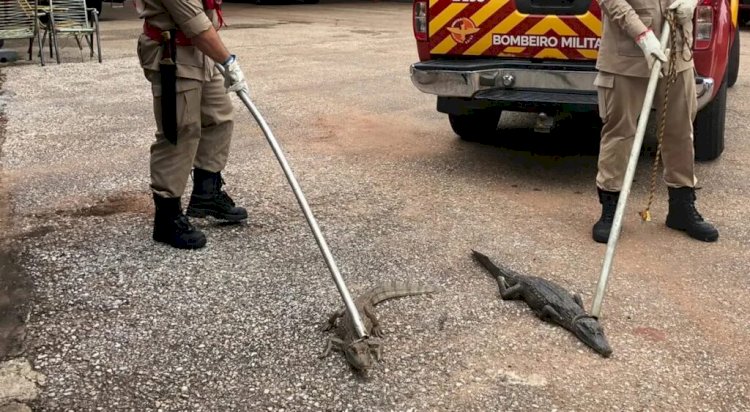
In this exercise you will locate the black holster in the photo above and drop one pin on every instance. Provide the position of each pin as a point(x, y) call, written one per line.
point(168, 74)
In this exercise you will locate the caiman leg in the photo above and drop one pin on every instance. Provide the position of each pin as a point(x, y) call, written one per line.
point(376, 348)
point(333, 344)
point(509, 293)
point(579, 301)
point(550, 314)
point(376, 330)
point(332, 320)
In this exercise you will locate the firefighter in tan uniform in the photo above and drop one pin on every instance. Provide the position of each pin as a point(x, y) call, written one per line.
point(630, 33)
point(193, 111)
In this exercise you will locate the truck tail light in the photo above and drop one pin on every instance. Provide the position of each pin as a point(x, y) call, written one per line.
point(704, 24)
point(420, 20)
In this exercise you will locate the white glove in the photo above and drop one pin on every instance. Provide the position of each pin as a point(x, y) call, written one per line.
point(234, 79)
point(684, 9)
point(651, 47)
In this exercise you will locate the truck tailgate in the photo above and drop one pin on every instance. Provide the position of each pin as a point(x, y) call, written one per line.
point(529, 29)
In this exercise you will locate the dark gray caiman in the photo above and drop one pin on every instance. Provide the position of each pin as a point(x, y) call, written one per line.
point(550, 302)
point(362, 353)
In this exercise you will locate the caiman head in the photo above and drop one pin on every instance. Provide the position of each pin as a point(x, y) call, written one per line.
point(362, 354)
point(590, 332)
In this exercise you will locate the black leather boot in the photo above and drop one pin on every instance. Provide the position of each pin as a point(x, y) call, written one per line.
point(209, 200)
point(172, 227)
point(683, 215)
point(603, 226)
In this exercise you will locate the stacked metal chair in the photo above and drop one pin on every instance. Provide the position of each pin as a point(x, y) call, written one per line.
point(72, 18)
point(19, 19)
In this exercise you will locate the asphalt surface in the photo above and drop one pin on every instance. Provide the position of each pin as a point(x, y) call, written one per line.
point(121, 323)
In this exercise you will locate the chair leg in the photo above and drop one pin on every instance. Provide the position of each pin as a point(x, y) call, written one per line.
point(40, 39)
point(51, 54)
point(31, 48)
point(98, 46)
point(98, 39)
point(57, 48)
point(80, 46)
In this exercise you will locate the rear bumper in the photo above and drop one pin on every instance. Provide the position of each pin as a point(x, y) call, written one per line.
point(520, 82)
point(508, 81)
point(704, 89)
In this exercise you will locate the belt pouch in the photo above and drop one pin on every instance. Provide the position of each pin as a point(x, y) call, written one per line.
point(168, 74)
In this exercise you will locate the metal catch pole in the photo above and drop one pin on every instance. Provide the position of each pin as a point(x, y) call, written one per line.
point(614, 234)
point(350, 307)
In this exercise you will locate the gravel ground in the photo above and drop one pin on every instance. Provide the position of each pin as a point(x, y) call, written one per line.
point(120, 323)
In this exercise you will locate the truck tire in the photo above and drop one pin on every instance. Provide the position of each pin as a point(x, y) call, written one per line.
point(2, 43)
point(734, 60)
point(708, 128)
point(477, 126)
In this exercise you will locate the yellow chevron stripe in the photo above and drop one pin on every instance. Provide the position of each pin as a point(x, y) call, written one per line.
point(514, 50)
point(433, 2)
point(487, 11)
point(594, 24)
point(589, 54)
point(445, 16)
point(444, 47)
point(503, 27)
point(551, 54)
point(553, 23)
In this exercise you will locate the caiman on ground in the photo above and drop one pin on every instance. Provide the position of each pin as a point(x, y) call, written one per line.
point(363, 353)
point(550, 302)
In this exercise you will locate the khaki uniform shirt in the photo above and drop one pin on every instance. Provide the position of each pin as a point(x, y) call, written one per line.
point(187, 16)
point(623, 21)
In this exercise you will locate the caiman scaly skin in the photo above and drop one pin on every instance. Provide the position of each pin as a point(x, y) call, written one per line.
point(363, 353)
point(550, 302)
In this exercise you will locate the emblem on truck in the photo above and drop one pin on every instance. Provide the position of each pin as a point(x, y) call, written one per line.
point(462, 30)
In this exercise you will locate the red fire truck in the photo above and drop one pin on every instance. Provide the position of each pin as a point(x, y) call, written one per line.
point(480, 57)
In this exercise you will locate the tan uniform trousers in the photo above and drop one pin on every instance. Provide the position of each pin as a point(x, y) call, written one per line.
point(620, 103)
point(204, 132)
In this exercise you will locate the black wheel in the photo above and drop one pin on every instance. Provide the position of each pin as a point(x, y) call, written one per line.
point(734, 60)
point(709, 126)
point(476, 126)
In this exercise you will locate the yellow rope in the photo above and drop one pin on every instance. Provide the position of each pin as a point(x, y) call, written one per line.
point(671, 78)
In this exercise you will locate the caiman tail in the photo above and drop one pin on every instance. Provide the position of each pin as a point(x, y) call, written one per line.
point(396, 289)
point(496, 271)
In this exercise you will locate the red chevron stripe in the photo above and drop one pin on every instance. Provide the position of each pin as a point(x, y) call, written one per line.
point(580, 28)
point(437, 8)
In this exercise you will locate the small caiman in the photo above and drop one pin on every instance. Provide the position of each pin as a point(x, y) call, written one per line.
point(362, 353)
point(550, 302)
